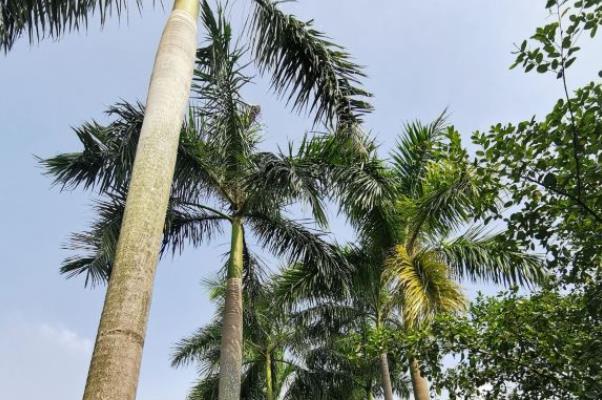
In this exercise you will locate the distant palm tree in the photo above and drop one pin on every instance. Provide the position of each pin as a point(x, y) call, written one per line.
point(345, 334)
point(410, 252)
point(218, 163)
point(267, 334)
point(277, 361)
point(438, 193)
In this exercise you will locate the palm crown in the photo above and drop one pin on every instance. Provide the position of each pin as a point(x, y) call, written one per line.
point(220, 174)
point(307, 69)
point(410, 255)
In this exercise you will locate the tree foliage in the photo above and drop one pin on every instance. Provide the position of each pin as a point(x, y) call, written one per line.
point(544, 346)
point(549, 168)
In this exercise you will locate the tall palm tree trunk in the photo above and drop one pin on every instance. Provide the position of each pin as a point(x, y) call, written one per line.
point(386, 377)
point(269, 386)
point(230, 360)
point(419, 383)
point(115, 364)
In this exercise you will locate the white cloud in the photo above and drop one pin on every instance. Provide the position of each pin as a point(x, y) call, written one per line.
point(66, 338)
point(41, 360)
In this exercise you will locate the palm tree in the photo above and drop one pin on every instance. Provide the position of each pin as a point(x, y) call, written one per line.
point(313, 71)
point(348, 330)
point(267, 333)
point(349, 326)
point(409, 242)
point(217, 163)
point(438, 193)
point(115, 364)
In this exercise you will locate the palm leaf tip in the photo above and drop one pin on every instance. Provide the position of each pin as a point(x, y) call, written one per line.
point(40, 18)
point(318, 75)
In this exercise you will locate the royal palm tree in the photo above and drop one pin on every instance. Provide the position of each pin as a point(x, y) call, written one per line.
point(409, 241)
point(438, 194)
point(115, 364)
point(218, 163)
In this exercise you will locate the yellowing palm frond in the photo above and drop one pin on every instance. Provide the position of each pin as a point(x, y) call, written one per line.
point(424, 283)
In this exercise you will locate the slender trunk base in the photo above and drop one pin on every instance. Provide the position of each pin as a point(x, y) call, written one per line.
point(420, 384)
point(269, 387)
point(231, 346)
point(115, 364)
point(230, 361)
point(386, 377)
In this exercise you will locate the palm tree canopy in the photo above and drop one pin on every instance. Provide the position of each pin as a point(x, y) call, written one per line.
point(219, 173)
point(410, 235)
point(344, 334)
point(312, 73)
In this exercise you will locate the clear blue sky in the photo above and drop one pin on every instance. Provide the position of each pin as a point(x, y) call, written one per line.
point(421, 56)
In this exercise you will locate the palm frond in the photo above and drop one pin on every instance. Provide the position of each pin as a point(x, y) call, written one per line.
point(107, 158)
point(418, 146)
point(480, 257)
point(348, 171)
point(327, 318)
point(108, 155)
point(285, 179)
point(284, 237)
point(202, 347)
point(98, 245)
point(53, 18)
point(229, 122)
point(190, 223)
point(198, 173)
point(205, 388)
point(449, 198)
point(424, 284)
point(317, 74)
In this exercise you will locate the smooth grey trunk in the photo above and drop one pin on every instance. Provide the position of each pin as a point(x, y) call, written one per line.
point(230, 360)
point(420, 384)
point(386, 377)
point(115, 364)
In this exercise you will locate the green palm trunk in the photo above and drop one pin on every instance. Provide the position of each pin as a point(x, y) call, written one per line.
point(231, 345)
point(269, 389)
point(420, 385)
point(115, 364)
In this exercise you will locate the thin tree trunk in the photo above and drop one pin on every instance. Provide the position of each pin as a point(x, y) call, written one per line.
point(115, 364)
point(231, 346)
point(420, 384)
point(386, 377)
point(269, 387)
